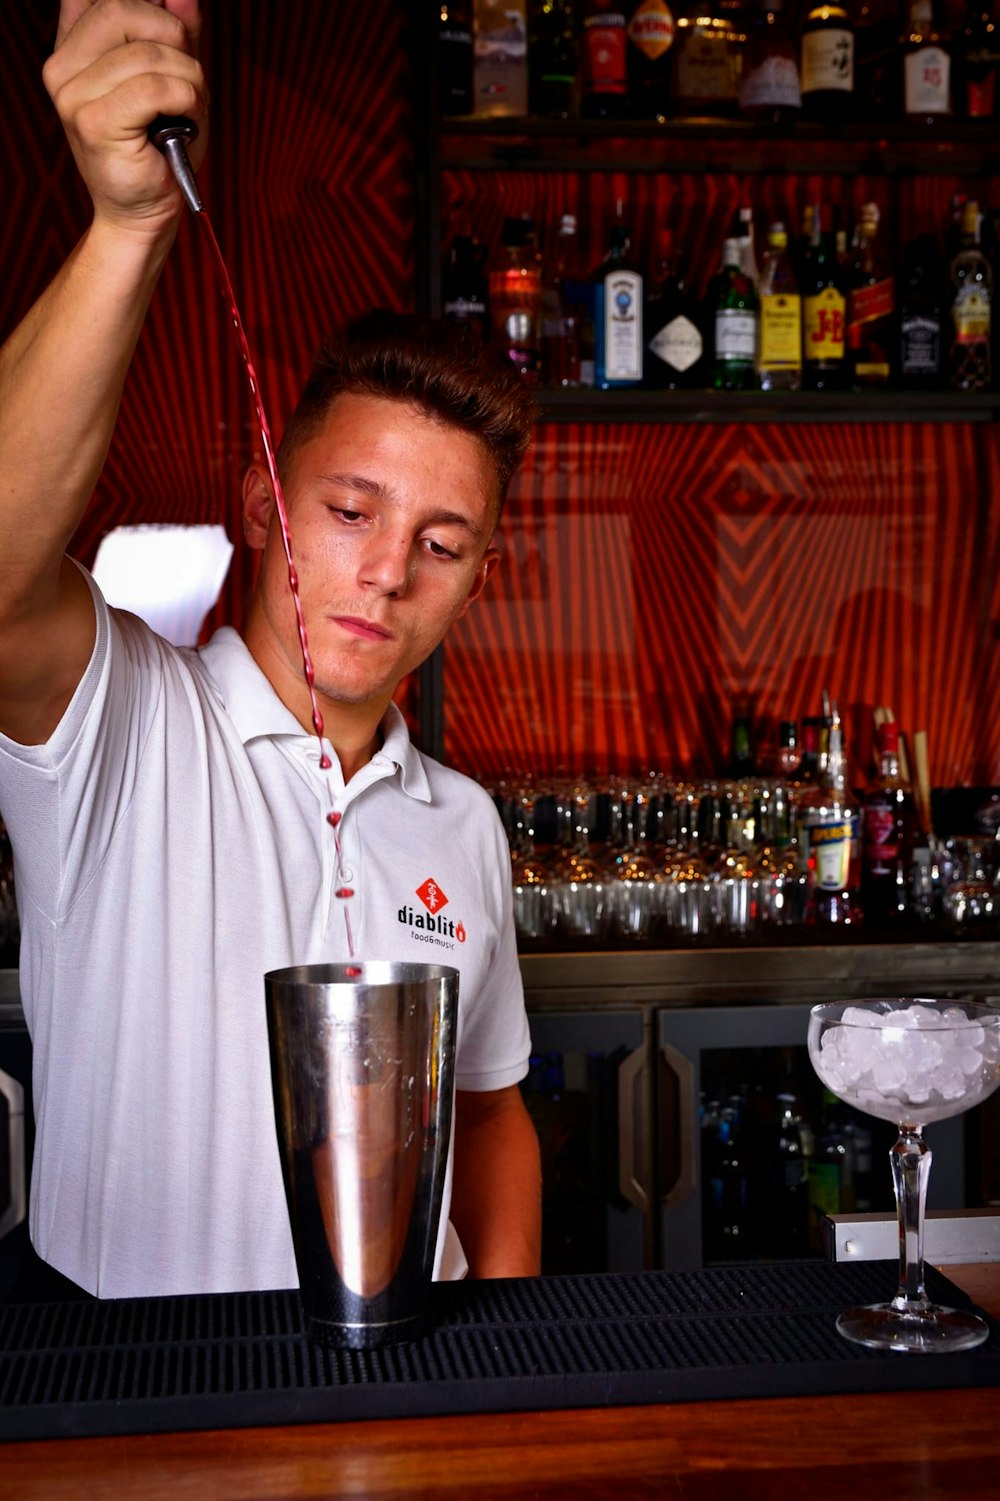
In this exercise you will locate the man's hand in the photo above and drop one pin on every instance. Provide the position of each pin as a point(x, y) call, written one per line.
point(496, 1203)
point(117, 65)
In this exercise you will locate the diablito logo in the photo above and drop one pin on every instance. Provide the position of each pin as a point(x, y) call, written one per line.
point(433, 920)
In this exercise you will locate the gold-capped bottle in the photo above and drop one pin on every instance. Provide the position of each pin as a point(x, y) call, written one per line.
point(827, 63)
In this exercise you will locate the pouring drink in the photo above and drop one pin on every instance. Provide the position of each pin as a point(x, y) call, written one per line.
point(910, 1062)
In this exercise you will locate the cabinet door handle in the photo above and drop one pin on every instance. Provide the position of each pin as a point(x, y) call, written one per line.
point(16, 1210)
point(685, 1183)
point(633, 1130)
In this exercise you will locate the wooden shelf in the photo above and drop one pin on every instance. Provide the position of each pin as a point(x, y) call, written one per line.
point(767, 406)
point(703, 145)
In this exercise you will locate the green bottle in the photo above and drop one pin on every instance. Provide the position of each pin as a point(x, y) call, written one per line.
point(736, 318)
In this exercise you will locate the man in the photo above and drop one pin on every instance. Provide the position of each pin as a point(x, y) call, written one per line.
point(169, 810)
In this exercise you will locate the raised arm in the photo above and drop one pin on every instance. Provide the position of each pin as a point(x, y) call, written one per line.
point(117, 64)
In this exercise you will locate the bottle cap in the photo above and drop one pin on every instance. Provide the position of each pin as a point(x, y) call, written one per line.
point(887, 736)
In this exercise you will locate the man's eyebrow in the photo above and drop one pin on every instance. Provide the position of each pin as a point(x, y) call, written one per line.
point(387, 494)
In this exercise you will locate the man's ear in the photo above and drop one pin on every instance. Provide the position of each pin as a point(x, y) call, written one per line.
point(489, 561)
point(258, 505)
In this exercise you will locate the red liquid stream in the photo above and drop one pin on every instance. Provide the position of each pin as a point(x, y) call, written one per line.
point(343, 891)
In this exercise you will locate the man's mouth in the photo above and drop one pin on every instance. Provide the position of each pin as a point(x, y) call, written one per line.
point(367, 630)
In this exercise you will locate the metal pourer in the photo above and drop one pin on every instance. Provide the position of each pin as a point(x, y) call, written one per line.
point(169, 134)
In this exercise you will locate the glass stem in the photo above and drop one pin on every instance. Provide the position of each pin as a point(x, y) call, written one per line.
point(911, 1165)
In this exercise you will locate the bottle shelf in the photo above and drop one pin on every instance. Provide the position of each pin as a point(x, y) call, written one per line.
point(470, 143)
point(767, 406)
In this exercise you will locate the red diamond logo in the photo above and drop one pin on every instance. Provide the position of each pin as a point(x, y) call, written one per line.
point(431, 895)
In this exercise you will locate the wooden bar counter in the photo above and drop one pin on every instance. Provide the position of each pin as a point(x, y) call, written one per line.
point(904, 1446)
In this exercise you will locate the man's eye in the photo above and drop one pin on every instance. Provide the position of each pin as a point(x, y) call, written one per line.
point(345, 514)
point(439, 550)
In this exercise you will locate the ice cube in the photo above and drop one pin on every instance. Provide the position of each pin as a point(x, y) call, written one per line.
point(861, 1016)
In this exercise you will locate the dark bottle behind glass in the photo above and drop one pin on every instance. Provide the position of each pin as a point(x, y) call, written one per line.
point(463, 285)
point(921, 316)
point(676, 352)
point(977, 62)
point(826, 60)
point(455, 57)
point(650, 33)
point(553, 59)
point(770, 90)
point(824, 310)
point(877, 81)
point(793, 1149)
point(603, 60)
point(888, 827)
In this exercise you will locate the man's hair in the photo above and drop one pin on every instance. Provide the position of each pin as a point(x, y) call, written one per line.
point(440, 368)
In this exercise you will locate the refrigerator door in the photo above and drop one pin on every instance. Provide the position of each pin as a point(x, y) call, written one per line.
point(588, 1091)
point(751, 1152)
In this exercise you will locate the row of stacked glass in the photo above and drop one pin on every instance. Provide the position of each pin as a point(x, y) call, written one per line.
point(676, 862)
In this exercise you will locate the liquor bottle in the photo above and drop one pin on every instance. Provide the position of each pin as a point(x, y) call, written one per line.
point(877, 81)
point(500, 57)
point(921, 316)
point(743, 233)
point(603, 60)
point(926, 67)
point(788, 756)
point(870, 307)
point(889, 821)
point(515, 297)
point(455, 57)
point(463, 284)
point(708, 59)
point(650, 33)
point(970, 282)
point(676, 356)
point(812, 764)
point(831, 1189)
point(741, 756)
point(736, 314)
point(830, 830)
point(553, 59)
point(793, 1148)
point(618, 316)
point(824, 311)
point(976, 92)
point(770, 92)
point(779, 359)
point(827, 63)
point(567, 339)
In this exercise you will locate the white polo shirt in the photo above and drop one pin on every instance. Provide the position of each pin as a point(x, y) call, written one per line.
point(171, 846)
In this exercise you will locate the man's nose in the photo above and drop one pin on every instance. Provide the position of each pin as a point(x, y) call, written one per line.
point(387, 564)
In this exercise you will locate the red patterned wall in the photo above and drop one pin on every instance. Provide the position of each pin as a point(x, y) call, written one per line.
point(657, 578)
point(309, 186)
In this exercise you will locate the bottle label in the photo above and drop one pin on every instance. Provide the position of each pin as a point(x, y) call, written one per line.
point(920, 345)
point(708, 68)
point(927, 82)
point(651, 28)
point(772, 85)
point(604, 69)
point(830, 846)
point(971, 314)
point(869, 303)
point(678, 344)
point(827, 61)
point(780, 331)
point(735, 335)
point(623, 326)
point(824, 325)
point(980, 93)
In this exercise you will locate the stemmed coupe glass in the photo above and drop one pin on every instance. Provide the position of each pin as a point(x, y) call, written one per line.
point(909, 1062)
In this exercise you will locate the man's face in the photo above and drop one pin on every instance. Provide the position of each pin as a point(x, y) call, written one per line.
point(391, 513)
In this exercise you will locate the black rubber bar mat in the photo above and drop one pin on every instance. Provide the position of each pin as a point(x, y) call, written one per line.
point(242, 1360)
